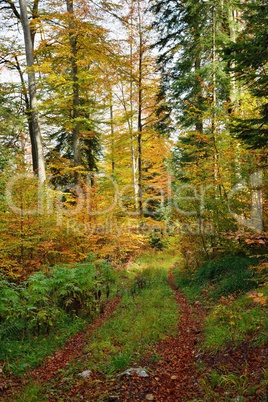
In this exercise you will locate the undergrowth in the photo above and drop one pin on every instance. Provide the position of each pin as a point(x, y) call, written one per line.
point(38, 315)
point(146, 315)
point(235, 291)
point(222, 285)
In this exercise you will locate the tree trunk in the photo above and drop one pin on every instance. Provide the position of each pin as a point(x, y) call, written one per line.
point(232, 33)
point(32, 113)
point(74, 68)
point(112, 132)
point(130, 121)
point(140, 127)
point(199, 122)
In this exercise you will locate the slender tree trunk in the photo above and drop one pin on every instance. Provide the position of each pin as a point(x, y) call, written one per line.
point(140, 126)
point(132, 146)
point(32, 113)
point(199, 123)
point(112, 130)
point(214, 93)
point(28, 113)
point(74, 68)
point(232, 30)
point(132, 141)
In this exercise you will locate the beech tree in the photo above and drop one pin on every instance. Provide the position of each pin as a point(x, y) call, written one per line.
point(32, 113)
point(74, 72)
point(21, 13)
point(134, 87)
point(72, 56)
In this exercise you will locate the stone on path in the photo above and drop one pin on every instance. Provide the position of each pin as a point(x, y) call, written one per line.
point(85, 374)
point(140, 372)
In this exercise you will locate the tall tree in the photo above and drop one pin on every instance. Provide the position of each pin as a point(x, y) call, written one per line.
point(200, 91)
point(74, 71)
point(73, 55)
point(32, 112)
point(248, 60)
point(30, 96)
point(135, 90)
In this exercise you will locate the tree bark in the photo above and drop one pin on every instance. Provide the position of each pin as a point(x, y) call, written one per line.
point(140, 127)
point(32, 113)
point(75, 115)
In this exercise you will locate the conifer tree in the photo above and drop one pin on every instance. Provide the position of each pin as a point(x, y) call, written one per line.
point(248, 59)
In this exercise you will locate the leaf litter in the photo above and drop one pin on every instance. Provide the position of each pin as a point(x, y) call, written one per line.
point(172, 378)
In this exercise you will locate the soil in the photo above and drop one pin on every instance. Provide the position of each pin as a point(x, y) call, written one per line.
point(173, 376)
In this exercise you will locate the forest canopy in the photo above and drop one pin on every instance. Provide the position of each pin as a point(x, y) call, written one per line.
point(131, 124)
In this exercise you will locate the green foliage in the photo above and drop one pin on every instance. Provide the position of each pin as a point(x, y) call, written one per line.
point(228, 275)
point(220, 277)
point(157, 241)
point(249, 57)
point(45, 304)
point(185, 45)
point(235, 320)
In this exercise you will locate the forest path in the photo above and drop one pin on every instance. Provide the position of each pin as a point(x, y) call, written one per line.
point(54, 364)
point(173, 376)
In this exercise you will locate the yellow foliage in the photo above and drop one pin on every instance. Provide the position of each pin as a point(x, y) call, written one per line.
point(258, 298)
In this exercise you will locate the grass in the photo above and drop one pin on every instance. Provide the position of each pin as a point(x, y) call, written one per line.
point(220, 277)
point(32, 393)
point(227, 386)
point(235, 320)
point(146, 315)
point(233, 385)
point(21, 355)
point(222, 286)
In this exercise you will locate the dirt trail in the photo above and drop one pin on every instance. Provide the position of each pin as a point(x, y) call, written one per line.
point(50, 368)
point(174, 377)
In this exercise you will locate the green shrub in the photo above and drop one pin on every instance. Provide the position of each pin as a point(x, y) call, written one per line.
point(9, 298)
point(73, 288)
point(227, 275)
point(215, 270)
point(47, 302)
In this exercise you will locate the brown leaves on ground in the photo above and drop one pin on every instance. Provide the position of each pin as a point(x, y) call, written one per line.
point(173, 375)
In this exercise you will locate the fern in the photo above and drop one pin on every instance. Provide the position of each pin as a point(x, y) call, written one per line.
point(45, 297)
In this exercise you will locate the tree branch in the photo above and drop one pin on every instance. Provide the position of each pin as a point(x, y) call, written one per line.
point(11, 7)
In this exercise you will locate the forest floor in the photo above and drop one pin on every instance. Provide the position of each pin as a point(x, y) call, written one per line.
point(179, 374)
